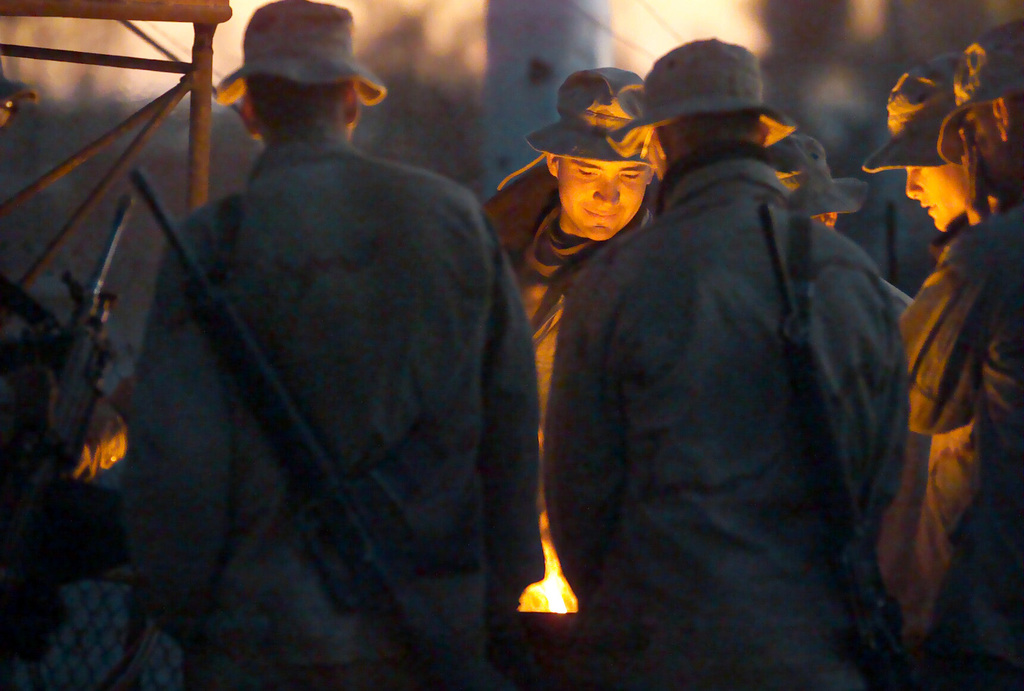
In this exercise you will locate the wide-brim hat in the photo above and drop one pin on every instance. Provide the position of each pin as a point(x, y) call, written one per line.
point(705, 78)
point(304, 42)
point(591, 105)
point(802, 167)
point(987, 71)
point(918, 104)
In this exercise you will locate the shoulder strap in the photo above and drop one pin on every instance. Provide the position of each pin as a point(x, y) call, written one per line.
point(228, 226)
point(796, 286)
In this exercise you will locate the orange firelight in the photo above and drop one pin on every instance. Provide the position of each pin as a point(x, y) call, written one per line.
point(552, 594)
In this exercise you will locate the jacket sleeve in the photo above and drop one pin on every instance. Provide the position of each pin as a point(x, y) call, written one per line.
point(508, 460)
point(944, 370)
point(177, 474)
point(584, 460)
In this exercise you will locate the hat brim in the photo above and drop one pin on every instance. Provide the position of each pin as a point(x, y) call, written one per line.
point(844, 196)
point(369, 87)
point(560, 140)
point(903, 152)
point(17, 91)
point(779, 124)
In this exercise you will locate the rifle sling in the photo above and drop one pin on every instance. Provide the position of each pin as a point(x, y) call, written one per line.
point(883, 659)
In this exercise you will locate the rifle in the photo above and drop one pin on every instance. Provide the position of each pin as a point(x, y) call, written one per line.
point(332, 512)
point(37, 464)
point(876, 616)
point(90, 352)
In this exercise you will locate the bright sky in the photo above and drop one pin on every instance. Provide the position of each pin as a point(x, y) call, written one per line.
point(640, 31)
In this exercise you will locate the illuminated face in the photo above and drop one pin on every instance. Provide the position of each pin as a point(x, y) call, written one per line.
point(598, 197)
point(942, 190)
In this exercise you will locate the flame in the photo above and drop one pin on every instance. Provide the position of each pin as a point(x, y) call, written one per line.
point(109, 447)
point(552, 594)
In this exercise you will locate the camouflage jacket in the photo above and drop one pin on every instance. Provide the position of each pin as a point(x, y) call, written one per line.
point(965, 343)
point(387, 307)
point(679, 495)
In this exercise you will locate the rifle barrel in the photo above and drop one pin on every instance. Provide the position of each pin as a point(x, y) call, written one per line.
point(99, 278)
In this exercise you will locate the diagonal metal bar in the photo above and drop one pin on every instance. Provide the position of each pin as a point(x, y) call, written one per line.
point(149, 40)
point(101, 59)
point(126, 159)
point(87, 152)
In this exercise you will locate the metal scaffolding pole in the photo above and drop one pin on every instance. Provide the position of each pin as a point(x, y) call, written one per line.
point(200, 116)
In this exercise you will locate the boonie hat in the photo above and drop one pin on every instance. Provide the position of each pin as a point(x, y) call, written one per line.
point(705, 77)
point(305, 42)
point(918, 104)
point(801, 166)
point(591, 104)
point(987, 70)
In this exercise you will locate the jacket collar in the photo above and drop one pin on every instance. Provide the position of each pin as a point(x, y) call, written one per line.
point(695, 177)
point(287, 154)
point(953, 231)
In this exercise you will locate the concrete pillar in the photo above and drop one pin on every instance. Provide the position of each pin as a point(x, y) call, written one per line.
point(532, 46)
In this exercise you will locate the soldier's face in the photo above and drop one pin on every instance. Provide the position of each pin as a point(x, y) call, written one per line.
point(942, 190)
point(598, 197)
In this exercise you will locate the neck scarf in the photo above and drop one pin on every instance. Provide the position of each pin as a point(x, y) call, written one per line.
point(553, 249)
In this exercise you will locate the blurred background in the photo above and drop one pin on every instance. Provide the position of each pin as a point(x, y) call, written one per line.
point(467, 79)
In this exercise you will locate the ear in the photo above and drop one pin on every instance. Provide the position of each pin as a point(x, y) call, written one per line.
point(249, 118)
point(351, 106)
point(552, 161)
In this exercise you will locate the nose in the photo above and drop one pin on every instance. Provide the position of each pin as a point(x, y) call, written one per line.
point(914, 188)
point(607, 191)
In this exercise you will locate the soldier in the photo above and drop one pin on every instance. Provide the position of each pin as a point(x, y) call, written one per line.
point(802, 167)
point(56, 525)
point(965, 343)
point(915, 550)
point(562, 208)
point(918, 102)
point(682, 503)
point(600, 194)
point(387, 307)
